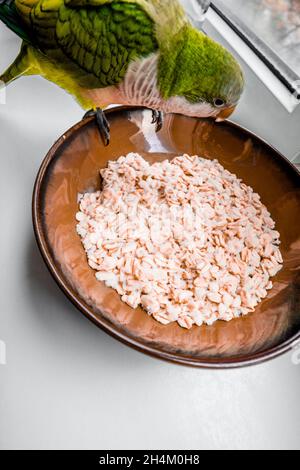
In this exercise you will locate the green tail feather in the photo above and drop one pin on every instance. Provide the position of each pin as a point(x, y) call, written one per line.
point(9, 16)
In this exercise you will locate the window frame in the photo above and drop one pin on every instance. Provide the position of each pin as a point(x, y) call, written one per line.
point(275, 64)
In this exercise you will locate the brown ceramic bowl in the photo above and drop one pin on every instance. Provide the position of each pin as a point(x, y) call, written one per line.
point(72, 167)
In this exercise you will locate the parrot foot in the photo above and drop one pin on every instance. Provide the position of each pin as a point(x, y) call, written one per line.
point(158, 119)
point(102, 123)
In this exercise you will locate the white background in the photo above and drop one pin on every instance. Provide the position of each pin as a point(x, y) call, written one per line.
point(67, 384)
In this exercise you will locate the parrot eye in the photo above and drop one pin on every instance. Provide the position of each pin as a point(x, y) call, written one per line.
point(219, 103)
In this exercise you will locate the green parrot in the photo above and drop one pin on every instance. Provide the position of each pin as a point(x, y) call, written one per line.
point(131, 52)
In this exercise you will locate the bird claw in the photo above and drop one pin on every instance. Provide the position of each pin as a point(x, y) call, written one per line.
point(157, 118)
point(102, 124)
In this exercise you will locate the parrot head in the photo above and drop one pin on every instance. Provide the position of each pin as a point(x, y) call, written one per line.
point(199, 77)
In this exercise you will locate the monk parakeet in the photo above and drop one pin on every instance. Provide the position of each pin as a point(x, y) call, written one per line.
point(132, 52)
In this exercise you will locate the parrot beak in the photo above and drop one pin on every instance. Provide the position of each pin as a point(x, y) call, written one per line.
point(225, 113)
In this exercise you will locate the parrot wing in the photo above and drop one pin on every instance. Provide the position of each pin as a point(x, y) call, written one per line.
point(93, 41)
point(168, 15)
point(10, 17)
point(103, 37)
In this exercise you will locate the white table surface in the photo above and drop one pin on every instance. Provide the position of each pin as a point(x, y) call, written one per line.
point(66, 384)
